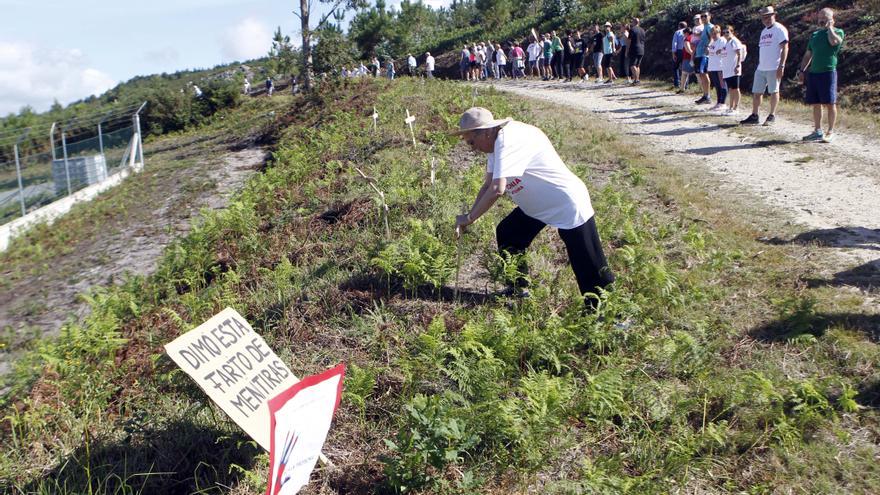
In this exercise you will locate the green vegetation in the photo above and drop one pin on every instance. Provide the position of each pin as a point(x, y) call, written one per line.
point(732, 378)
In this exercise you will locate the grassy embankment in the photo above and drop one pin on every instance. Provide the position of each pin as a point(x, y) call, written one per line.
point(734, 377)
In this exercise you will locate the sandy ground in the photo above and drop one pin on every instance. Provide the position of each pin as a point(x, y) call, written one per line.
point(831, 190)
point(135, 247)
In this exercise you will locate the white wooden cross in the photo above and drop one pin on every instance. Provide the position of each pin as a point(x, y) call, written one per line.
point(375, 120)
point(409, 121)
point(433, 169)
point(474, 97)
point(372, 182)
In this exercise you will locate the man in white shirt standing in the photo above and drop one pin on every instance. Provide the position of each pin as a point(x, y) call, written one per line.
point(523, 163)
point(429, 65)
point(535, 51)
point(411, 64)
point(772, 55)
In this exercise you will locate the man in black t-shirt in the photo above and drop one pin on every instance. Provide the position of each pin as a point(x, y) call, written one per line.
point(636, 48)
point(597, 52)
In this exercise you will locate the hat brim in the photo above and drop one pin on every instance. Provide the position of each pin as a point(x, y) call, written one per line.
point(489, 125)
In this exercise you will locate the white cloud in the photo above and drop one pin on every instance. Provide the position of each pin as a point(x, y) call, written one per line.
point(36, 76)
point(248, 39)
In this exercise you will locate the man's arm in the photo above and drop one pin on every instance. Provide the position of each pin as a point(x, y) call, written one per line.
point(781, 69)
point(490, 192)
point(808, 59)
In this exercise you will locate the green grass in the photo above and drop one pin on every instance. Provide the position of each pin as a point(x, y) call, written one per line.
point(734, 378)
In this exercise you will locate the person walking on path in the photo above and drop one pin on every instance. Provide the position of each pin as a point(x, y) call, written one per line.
point(678, 53)
point(772, 55)
point(732, 55)
point(411, 65)
point(518, 61)
point(567, 56)
point(389, 68)
point(608, 42)
point(687, 60)
point(247, 87)
point(500, 62)
point(270, 86)
point(636, 47)
point(598, 52)
point(701, 61)
point(523, 163)
point(464, 64)
point(821, 78)
point(535, 52)
point(548, 58)
point(556, 62)
point(429, 65)
point(714, 67)
point(623, 41)
point(577, 64)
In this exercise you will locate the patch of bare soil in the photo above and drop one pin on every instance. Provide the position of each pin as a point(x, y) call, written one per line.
point(829, 193)
point(156, 206)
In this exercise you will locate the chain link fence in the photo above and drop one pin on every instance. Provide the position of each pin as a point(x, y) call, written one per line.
point(95, 152)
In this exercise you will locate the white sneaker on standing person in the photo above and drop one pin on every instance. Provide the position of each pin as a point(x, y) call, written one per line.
point(821, 78)
point(714, 56)
point(733, 54)
point(772, 55)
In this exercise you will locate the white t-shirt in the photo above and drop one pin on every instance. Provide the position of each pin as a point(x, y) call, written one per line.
point(500, 58)
point(537, 179)
point(411, 61)
point(535, 51)
point(728, 58)
point(770, 46)
point(711, 53)
point(429, 63)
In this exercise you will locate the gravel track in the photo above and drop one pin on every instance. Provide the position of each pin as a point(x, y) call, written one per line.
point(832, 190)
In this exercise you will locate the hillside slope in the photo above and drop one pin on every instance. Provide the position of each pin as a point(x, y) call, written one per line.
point(732, 377)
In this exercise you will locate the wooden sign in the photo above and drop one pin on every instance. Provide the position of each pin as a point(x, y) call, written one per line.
point(409, 121)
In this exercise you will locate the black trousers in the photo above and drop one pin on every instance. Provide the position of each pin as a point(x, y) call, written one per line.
point(517, 231)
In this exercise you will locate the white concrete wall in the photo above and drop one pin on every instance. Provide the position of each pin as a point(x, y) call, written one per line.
point(52, 211)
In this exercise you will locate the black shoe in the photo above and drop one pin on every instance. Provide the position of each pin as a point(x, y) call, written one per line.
point(751, 120)
point(770, 120)
point(703, 101)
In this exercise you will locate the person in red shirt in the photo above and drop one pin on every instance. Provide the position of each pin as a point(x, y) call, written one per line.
point(687, 64)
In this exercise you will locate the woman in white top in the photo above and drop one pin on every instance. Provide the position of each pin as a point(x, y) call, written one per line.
point(733, 54)
point(523, 163)
point(714, 55)
point(500, 62)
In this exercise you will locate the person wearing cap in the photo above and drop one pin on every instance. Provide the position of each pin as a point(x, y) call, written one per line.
point(821, 79)
point(523, 163)
point(772, 54)
point(429, 65)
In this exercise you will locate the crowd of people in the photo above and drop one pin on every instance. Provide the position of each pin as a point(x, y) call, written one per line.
point(710, 53)
point(602, 51)
point(376, 68)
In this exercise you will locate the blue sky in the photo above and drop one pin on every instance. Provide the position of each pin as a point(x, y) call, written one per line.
point(71, 49)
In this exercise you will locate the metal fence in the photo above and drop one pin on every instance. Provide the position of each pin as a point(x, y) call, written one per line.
point(83, 152)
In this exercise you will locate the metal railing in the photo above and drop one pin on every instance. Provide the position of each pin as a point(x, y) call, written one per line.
point(91, 150)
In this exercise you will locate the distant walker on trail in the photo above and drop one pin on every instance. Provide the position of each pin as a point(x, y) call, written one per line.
point(523, 163)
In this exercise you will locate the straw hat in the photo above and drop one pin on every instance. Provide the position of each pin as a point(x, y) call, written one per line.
point(476, 118)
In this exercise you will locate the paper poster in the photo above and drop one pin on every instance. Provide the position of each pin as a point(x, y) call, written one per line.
point(235, 367)
point(301, 417)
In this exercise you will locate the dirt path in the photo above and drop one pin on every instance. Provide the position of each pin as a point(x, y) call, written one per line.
point(832, 190)
point(143, 215)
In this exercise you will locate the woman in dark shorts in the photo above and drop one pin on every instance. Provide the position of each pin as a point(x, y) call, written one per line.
point(731, 67)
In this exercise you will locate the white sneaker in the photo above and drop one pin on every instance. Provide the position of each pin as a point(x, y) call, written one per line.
point(716, 108)
point(731, 112)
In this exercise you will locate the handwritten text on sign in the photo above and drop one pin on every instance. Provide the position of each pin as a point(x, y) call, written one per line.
point(235, 367)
